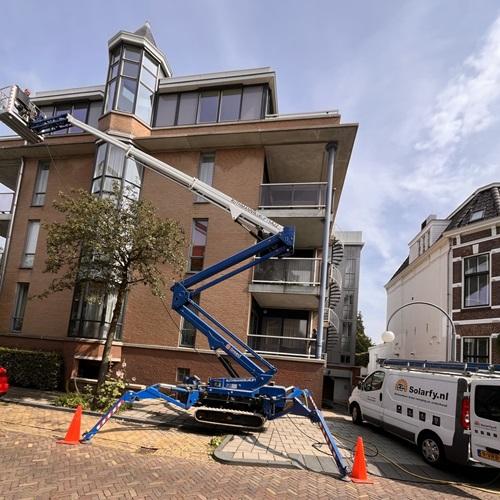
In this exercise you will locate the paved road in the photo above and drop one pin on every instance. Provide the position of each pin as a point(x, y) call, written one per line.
point(119, 465)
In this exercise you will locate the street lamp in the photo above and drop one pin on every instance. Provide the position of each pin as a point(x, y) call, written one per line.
point(389, 334)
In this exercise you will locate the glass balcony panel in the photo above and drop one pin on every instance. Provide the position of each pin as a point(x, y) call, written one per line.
point(288, 270)
point(293, 195)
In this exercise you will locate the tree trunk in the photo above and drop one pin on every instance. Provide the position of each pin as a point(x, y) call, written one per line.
point(106, 355)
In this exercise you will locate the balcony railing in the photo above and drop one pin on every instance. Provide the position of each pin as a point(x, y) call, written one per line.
point(6, 203)
point(297, 195)
point(303, 347)
point(288, 270)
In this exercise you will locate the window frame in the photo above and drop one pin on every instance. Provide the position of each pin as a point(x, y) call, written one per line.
point(476, 337)
point(19, 308)
point(24, 264)
point(196, 299)
point(193, 228)
point(198, 198)
point(178, 371)
point(42, 165)
point(483, 273)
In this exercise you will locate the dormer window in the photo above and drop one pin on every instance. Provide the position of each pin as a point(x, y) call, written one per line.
point(132, 81)
point(476, 215)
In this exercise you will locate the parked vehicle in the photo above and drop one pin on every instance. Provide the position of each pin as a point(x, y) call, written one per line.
point(4, 381)
point(451, 411)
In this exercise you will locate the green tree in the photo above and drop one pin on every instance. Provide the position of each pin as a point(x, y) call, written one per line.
point(108, 246)
point(363, 342)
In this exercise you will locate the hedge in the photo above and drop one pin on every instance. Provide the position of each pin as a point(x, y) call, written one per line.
point(34, 369)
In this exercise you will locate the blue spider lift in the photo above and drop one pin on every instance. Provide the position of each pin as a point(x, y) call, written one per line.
point(233, 401)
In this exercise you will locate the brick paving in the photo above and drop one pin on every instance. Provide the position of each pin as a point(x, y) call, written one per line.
point(34, 466)
point(287, 441)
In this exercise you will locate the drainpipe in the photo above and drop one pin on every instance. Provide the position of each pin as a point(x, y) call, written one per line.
point(331, 148)
point(11, 223)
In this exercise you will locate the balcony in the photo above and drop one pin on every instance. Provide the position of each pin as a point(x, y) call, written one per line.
point(300, 204)
point(302, 347)
point(287, 283)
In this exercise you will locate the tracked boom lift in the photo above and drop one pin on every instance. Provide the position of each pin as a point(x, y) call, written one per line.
point(234, 401)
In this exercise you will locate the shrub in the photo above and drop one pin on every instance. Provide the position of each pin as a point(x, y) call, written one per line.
point(73, 399)
point(33, 369)
point(110, 391)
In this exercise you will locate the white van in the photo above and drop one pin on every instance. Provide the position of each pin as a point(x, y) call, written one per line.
point(451, 411)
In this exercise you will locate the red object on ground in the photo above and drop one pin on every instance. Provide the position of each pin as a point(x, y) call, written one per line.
point(73, 434)
point(359, 473)
point(4, 381)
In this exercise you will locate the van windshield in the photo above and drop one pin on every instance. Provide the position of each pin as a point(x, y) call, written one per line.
point(487, 402)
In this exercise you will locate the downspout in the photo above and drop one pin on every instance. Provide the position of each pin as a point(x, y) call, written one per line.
point(11, 222)
point(451, 341)
point(331, 148)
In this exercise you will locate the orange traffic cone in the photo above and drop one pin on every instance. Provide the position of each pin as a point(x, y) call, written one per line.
point(73, 434)
point(359, 474)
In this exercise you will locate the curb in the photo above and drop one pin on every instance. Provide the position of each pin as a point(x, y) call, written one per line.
point(123, 418)
point(224, 457)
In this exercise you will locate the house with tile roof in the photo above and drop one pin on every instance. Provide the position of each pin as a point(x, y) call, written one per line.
point(453, 263)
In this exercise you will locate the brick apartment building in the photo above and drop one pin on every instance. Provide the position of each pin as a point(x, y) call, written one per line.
point(222, 127)
point(453, 263)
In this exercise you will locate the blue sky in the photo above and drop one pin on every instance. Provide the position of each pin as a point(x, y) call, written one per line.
point(422, 78)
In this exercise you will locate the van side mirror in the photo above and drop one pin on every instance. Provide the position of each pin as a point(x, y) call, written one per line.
point(360, 386)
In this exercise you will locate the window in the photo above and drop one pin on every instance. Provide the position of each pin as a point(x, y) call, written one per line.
point(20, 306)
point(91, 315)
point(42, 176)
point(188, 104)
point(251, 104)
point(350, 274)
point(476, 215)
point(30, 245)
point(112, 168)
point(188, 330)
point(182, 374)
point(132, 80)
point(476, 281)
point(87, 112)
point(487, 402)
point(348, 309)
point(345, 358)
point(374, 382)
point(205, 172)
point(198, 244)
point(230, 105)
point(210, 106)
point(166, 109)
point(475, 349)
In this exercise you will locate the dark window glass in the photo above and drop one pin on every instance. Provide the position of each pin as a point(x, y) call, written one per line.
point(167, 106)
point(132, 54)
point(115, 55)
point(374, 382)
point(477, 281)
point(198, 244)
point(80, 113)
point(95, 111)
point(209, 106)
point(110, 95)
point(188, 331)
point(20, 306)
point(130, 69)
point(187, 108)
point(113, 72)
point(475, 349)
point(230, 105)
point(91, 315)
point(42, 177)
point(182, 374)
point(487, 402)
point(47, 110)
point(251, 104)
point(127, 95)
point(144, 106)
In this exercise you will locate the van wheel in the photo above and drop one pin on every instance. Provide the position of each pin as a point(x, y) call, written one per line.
point(356, 414)
point(431, 448)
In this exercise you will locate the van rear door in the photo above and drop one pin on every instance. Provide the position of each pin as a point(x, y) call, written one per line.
point(485, 421)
